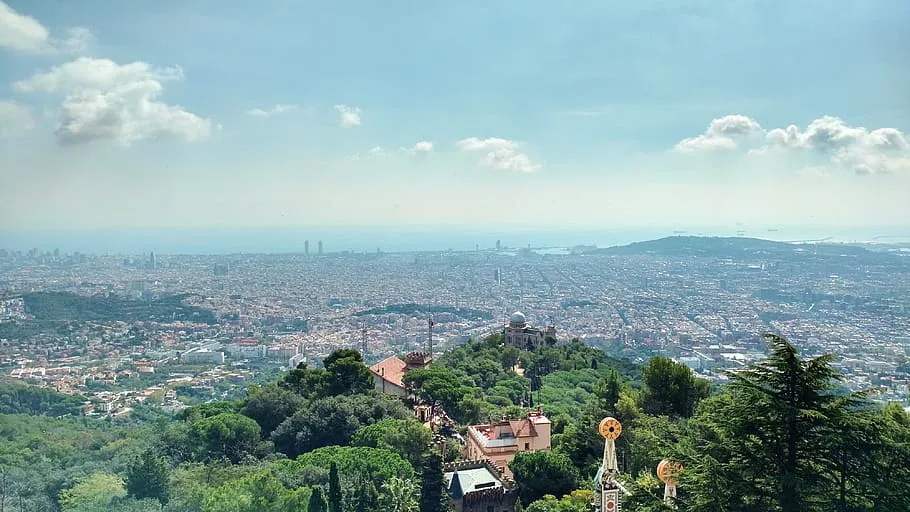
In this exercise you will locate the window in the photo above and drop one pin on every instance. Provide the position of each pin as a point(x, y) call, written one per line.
point(527, 446)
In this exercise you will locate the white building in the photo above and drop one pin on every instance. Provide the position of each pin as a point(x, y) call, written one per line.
point(246, 351)
point(203, 357)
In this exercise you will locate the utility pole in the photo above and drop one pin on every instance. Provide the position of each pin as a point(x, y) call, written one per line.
point(363, 343)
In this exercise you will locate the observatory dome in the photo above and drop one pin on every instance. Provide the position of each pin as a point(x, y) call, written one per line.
point(518, 319)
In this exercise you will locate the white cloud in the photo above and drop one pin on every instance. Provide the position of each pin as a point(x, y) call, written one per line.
point(727, 132)
point(377, 152)
point(277, 109)
point(14, 119)
point(350, 116)
point(106, 100)
point(501, 154)
point(864, 151)
point(421, 148)
point(23, 33)
point(371, 154)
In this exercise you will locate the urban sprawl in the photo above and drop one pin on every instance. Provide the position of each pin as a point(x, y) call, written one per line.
point(173, 330)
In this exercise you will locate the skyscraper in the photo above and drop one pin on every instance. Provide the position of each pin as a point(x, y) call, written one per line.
point(498, 245)
point(306, 247)
point(320, 247)
point(153, 264)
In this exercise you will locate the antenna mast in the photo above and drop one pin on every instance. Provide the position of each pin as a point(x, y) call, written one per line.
point(430, 331)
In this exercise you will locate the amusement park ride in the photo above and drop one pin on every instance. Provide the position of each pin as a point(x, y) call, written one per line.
point(609, 492)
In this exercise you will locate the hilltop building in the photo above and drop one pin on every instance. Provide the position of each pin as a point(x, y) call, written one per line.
point(499, 442)
point(388, 373)
point(479, 486)
point(520, 334)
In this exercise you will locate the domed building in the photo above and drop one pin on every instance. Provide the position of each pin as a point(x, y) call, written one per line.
point(521, 334)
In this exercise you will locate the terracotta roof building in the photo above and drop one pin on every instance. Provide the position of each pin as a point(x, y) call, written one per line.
point(388, 373)
point(499, 442)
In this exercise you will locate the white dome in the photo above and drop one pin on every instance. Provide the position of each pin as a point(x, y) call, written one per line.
point(518, 318)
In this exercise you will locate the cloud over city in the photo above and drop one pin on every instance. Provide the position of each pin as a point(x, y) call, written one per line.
point(828, 138)
point(106, 100)
point(271, 111)
point(500, 154)
point(348, 116)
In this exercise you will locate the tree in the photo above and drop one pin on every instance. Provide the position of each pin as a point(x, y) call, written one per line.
point(318, 502)
point(202, 411)
point(780, 426)
point(670, 388)
point(226, 435)
point(539, 473)
point(407, 438)
point(334, 421)
point(608, 393)
point(577, 501)
point(93, 492)
point(271, 405)
point(433, 494)
point(347, 374)
point(306, 382)
point(147, 477)
point(435, 385)
point(399, 495)
point(509, 357)
point(358, 466)
point(334, 488)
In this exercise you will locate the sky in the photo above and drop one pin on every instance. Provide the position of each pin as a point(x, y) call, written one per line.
point(205, 114)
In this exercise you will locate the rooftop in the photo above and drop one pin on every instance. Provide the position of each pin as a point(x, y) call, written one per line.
point(390, 369)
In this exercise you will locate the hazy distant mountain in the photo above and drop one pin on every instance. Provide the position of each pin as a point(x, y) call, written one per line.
point(732, 247)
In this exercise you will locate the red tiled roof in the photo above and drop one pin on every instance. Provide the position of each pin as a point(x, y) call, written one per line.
point(522, 428)
point(390, 369)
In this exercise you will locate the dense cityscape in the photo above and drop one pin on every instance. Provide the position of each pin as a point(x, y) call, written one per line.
point(173, 330)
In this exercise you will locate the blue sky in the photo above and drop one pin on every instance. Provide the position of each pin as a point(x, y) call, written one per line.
point(537, 114)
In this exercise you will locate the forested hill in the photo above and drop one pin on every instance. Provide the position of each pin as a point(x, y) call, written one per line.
point(322, 440)
point(735, 247)
point(62, 306)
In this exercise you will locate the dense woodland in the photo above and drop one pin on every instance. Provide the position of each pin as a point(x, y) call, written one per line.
point(779, 436)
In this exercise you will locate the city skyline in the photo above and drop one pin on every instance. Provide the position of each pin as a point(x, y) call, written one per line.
point(531, 115)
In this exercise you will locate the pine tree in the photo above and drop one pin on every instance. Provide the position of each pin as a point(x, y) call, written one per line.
point(334, 489)
point(147, 477)
point(318, 502)
point(608, 393)
point(778, 428)
point(434, 496)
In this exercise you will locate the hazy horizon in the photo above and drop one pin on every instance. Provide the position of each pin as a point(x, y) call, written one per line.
point(413, 239)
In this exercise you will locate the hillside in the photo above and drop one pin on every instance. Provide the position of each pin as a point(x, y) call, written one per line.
point(61, 306)
point(323, 439)
point(738, 247)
